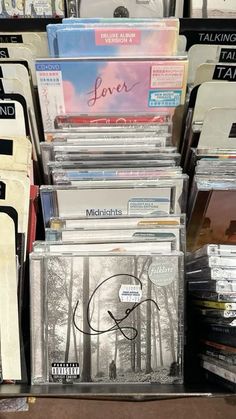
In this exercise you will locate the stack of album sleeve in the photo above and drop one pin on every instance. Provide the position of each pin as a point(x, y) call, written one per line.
point(19, 170)
point(107, 284)
point(19, 174)
point(211, 280)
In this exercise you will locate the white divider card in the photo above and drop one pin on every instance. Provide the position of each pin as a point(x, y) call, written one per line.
point(181, 44)
point(9, 321)
point(7, 50)
point(219, 129)
point(38, 40)
point(15, 192)
point(12, 85)
point(212, 71)
point(17, 81)
point(15, 153)
point(20, 53)
point(199, 54)
point(12, 118)
point(211, 95)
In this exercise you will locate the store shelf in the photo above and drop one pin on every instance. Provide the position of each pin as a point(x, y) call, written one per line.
point(113, 391)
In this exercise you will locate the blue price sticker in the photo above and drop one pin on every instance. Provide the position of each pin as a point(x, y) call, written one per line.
point(164, 98)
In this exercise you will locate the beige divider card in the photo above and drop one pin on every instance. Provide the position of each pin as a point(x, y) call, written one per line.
point(9, 321)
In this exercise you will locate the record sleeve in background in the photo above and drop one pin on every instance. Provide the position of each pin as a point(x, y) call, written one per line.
point(32, 9)
point(212, 219)
point(213, 9)
point(125, 8)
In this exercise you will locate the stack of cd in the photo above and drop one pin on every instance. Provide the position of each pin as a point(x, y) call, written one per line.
point(212, 193)
point(211, 276)
point(107, 283)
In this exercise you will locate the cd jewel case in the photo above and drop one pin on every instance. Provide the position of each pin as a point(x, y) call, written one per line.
point(107, 318)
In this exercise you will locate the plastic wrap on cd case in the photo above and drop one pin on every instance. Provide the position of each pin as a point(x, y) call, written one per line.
point(212, 299)
point(173, 235)
point(32, 9)
point(115, 140)
point(161, 157)
point(219, 366)
point(110, 135)
point(117, 23)
point(112, 123)
point(110, 86)
point(65, 326)
point(114, 143)
point(216, 286)
point(229, 359)
point(212, 274)
point(118, 198)
point(50, 150)
point(118, 138)
point(122, 40)
point(215, 313)
point(124, 9)
point(132, 246)
point(111, 160)
point(53, 151)
point(212, 262)
point(118, 34)
point(115, 38)
point(71, 177)
point(50, 166)
point(216, 376)
point(118, 222)
point(102, 164)
point(213, 250)
point(162, 21)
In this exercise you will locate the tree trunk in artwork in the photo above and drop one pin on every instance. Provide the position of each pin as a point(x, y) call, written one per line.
point(98, 336)
point(204, 8)
point(148, 330)
point(132, 346)
point(159, 331)
point(75, 344)
point(116, 347)
point(138, 341)
point(70, 314)
point(154, 341)
point(160, 339)
point(80, 351)
point(171, 326)
point(86, 370)
point(53, 338)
